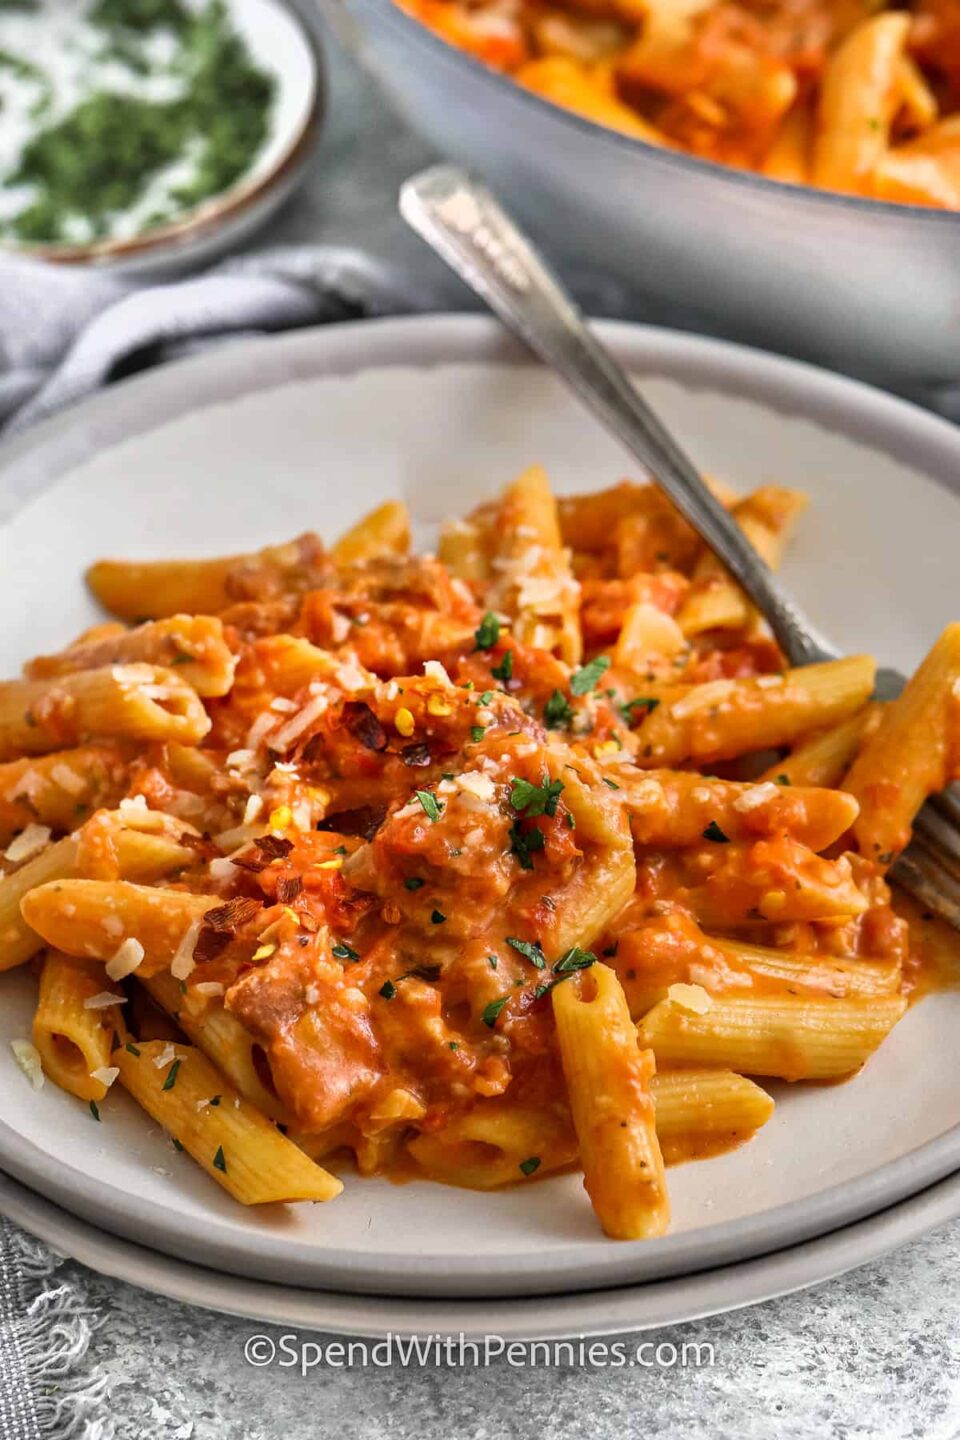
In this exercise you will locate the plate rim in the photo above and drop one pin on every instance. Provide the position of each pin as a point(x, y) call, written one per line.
point(136, 407)
point(637, 1308)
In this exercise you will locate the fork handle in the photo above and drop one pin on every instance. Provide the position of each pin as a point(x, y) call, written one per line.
point(464, 223)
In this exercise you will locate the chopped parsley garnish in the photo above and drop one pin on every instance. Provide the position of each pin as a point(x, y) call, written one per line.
point(588, 676)
point(531, 1164)
point(782, 780)
point(453, 1044)
point(341, 850)
point(611, 783)
point(525, 845)
point(177, 1144)
point(488, 632)
point(171, 1079)
point(431, 805)
point(504, 671)
point(388, 990)
point(486, 697)
point(714, 833)
point(532, 800)
point(531, 950)
point(343, 951)
point(491, 1012)
point(647, 703)
point(558, 711)
point(413, 882)
point(574, 959)
point(437, 917)
point(477, 733)
point(493, 961)
point(219, 1161)
point(571, 820)
point(94, 1110)
point(132, 1048)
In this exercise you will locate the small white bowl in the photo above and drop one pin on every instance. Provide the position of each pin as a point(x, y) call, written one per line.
point(289, 50)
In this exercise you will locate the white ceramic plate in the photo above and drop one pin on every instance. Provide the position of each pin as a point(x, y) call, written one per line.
point(245, 445)
point(544, 1317)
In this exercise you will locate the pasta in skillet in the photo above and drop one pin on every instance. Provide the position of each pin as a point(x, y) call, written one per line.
point(528, 856)
point(840, 94)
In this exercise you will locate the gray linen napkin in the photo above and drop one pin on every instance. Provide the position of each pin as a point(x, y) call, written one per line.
point(64, 333)
point(47, 1390)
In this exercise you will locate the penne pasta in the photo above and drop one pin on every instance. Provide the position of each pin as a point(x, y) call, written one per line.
point(914, 752)
point(192, 644)
point(97, 918)
point(702, 724)
point(132, 702)
point(608, 1086)
point(385, 531)
point(75, 1038)
point(790, 1038)
point(226, 1135)
point(61, 789)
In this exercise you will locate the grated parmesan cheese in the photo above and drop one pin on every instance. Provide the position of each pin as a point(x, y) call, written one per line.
point(183, 962)
point(31, 840)
point(103, 1000)
point(27, 1057)
point(692, 998)
point(702, 697)
point(433, 670)
point(294, 728)
point(221, 868)
point(208, 987)
point(167, 1054)
point(756, 796)
point(106, 1074)
point(252, 809)
point(67, 779)
point(128, 958)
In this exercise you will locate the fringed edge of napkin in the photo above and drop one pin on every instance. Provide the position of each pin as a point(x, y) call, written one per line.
point(67, 1399)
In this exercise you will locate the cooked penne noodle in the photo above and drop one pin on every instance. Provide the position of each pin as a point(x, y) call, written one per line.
point(385, 531)
point(790, 1038)
point(192, 644)
point(673, 809)
point(132, 702)
point(463, 550)
point(715, 601)
point(914, 752)
point(707, 1102)
point(155, 589)
point(701, 724)
point(666, 951)
point(61, 789)
point(95, 918)
point(75, 1040)
point(222, 1039)
point(496, 1143)
point(824, 758)
point(226, 1135)
point(608, 1087)
point(533, 582)
point(857, 102)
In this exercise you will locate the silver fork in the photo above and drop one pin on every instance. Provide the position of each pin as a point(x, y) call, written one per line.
point(458, 216)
